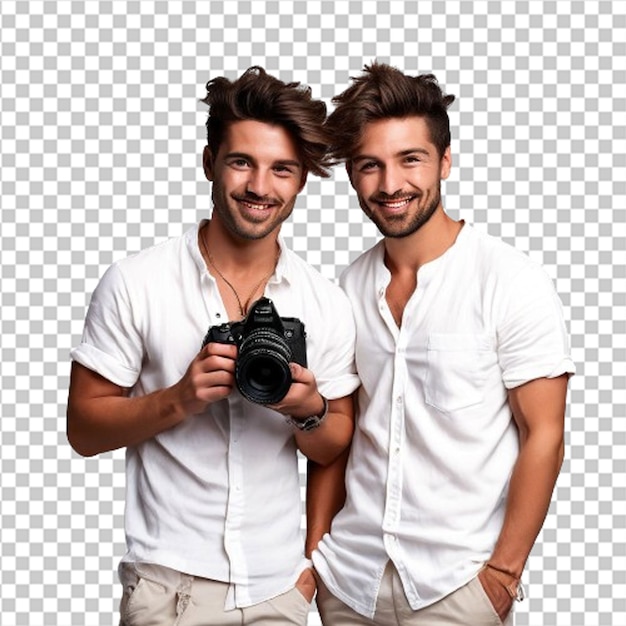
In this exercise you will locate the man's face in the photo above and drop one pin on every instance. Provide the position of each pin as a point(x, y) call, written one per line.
point(256, 177)
point(396, 173)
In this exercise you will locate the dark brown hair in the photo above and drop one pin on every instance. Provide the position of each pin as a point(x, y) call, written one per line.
point(384, 92)
point(256, 95)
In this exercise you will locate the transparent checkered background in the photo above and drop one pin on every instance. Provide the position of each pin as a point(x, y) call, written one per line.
point(101, 142)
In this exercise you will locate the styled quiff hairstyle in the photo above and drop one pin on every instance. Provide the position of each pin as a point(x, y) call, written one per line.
point(384, 92)
point(256, 95)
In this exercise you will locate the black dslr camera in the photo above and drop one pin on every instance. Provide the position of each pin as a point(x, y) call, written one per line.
point(267, 344)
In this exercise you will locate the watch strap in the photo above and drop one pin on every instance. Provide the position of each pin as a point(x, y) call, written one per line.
point(310, 423)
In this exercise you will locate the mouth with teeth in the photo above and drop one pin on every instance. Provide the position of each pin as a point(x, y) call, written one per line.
point(255, 206)
point(394, 205)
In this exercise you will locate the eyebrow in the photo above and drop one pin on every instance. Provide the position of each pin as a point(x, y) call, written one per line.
point(402, 153)
point(291, 162)
point(248, 157)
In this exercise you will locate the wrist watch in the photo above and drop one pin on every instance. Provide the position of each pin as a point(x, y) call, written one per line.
point(310, 423)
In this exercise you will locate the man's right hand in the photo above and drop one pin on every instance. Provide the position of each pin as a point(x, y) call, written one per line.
point(210, 377)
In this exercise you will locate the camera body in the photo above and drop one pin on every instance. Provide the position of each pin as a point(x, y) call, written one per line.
point(266, 344)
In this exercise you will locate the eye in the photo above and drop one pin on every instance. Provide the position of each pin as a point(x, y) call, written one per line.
point(283, 170)
point(412, 159)
point(368, 165)
point(239, 163)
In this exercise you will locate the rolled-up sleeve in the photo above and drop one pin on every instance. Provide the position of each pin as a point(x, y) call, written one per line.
point(532, 337)
point(111, 344)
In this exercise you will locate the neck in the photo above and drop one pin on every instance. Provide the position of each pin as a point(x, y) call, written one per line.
point(422, 246)
point(235, 254)
point(240, 268)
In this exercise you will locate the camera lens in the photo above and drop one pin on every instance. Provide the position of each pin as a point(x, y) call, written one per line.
point(262, 372)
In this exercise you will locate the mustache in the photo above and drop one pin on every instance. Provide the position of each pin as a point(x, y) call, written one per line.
point(254, 198)
point(394, 197)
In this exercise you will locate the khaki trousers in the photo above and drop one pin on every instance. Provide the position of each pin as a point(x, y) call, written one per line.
point(158, 596)
point(467, 606)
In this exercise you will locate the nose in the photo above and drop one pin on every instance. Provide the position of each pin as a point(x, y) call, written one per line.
point(390, 181)
point(258, 182)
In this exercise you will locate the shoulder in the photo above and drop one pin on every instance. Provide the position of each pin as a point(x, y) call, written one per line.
point(490, 247)
point(516, 285)
point(301, 272)
point(313, 297)
point(161, 264)
point(165, 263)
point(492, 257)
point(363, 266)
point(159, 253)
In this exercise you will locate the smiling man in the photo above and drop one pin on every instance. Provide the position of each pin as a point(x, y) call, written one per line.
point(463, 358)
point(213, 506)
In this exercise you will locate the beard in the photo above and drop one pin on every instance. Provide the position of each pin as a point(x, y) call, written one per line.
point(398, 226)
point(248, 228)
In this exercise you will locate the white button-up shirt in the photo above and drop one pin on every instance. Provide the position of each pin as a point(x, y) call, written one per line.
point(217, 496)
point(435, 442)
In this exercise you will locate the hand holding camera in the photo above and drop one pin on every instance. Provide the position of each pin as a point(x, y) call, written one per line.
point(210, 377)
point(267, 344)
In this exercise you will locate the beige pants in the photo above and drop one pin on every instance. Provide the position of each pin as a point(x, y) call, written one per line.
point(159, 596)
point(468, 606)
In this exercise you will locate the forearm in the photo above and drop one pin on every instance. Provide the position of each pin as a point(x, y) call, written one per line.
point(332, 437)
point(101, 416)
point(100, 424)
point(325, 497)
point(530, 491)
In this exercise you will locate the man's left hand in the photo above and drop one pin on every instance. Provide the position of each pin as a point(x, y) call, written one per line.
point(307, 584)
point(496, 591)
point(303, 399)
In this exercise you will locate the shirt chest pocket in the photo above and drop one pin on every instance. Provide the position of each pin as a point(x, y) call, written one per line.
point(458, 366)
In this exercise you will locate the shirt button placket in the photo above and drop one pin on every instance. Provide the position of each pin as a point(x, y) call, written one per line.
point(394, 479)
point(234, 513)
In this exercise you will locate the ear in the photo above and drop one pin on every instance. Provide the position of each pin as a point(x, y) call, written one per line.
point(446, 164)
point(207, 163)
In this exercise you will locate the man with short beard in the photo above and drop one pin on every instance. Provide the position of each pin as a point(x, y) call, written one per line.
point(213, 508)
point(463, 358)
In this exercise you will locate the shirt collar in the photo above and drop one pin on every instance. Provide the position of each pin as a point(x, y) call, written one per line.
point(383, 275)
point(284, 267)
point(191, 240)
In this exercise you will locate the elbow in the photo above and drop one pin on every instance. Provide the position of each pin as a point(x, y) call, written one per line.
point(546, 447)
point(324, 449)
point(321, 454)
point(79, 441)
point(327, 455)
point(324, 457)
point(80, 446)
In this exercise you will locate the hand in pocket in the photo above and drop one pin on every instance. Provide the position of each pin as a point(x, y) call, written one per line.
point(306, 584)
point(496, 592)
